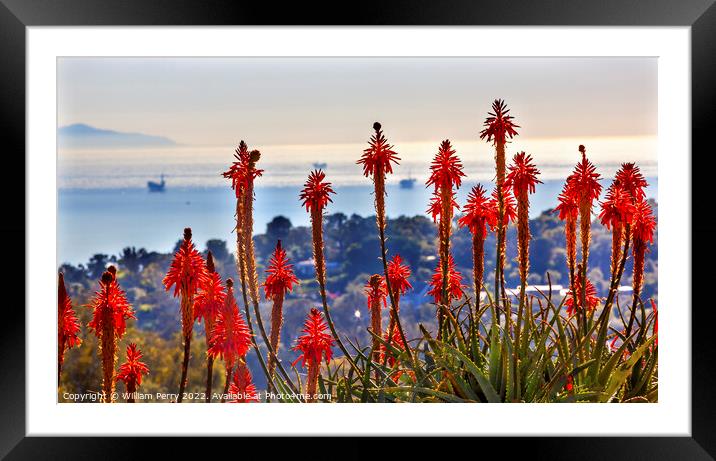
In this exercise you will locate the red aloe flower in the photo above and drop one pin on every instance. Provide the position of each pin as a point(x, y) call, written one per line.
point(592, 300)
point(446, 168)
point(186, 273)
point(617, 211)
point(279, 281)
point(454, 286)
point(316, 192)
point(110, 311)
point(187, 270)
point(230, 338)
point(208, 302)
point(522, 178)
point(435, 208)
point(510, 207)
point(568, 209)
point(376, 292)
point(584, 180)
point(210, 298)
point(242, 389)
point(632, 181)
point(132, 370)
point(642, 230)
point(314, 345)
point(68, 327)
point(377, 158)
point(480, 212)
point(398, 274)
point(242, 171)
point(499, 126)
point(280, 277)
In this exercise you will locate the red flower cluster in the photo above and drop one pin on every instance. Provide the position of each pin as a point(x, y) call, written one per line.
point(315, 343)
point(187, 270)
point(280, 277)
point(110, 305)
point(630, 179)
point(398, 274)
point(435, 208)
point(316, 192)
point(499, 125)
point(242, 389)
point(584, 181)
point(522, 175)
point(454, 285)
point(378, 156)
point(568, 207)
point(446, 168)
point(68, 327)
point(210, 298)
point(243, 171)
point(643, 223)
point(376, 291)
point(591, 298)
point(617, 208)
point(230, 338)
point(509, 204)
point(480, 212)
point(132, 370)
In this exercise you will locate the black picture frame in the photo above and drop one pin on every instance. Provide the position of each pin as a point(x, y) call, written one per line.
point(16, 15)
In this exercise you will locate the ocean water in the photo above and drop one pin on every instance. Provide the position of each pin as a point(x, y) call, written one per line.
point(104, 204)
point(105, 220)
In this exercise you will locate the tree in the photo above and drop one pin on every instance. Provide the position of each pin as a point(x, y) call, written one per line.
point(278, 228)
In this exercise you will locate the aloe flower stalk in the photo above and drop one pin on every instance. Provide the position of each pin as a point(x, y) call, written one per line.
point(68, 327)
point(446, 177)
point(186, 273)
point(376, 293)
point(479, 213)
point(568, 209)
point(454, 282)
point(398, 275)
point(508, 215)
point(315, 195)
point(207, 304)
point(592, 300)
point(242, 389)
point(498, 128)
point(584, 182)
point(617, 211)
point(377, 162)
point(279, 282)
point(110, 312)
point(642, 230)
point(131, 371)
point(242, 172)
point(314, 345)
point(230, 338)
point(522, 178)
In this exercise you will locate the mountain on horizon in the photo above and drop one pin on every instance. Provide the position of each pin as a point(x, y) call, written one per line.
point(81, 135)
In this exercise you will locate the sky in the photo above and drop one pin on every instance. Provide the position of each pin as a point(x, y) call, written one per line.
point(292, 101)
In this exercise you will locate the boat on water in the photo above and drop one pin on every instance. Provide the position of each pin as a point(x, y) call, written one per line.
point(320, 165)
point(157, 186)
point(407, 183)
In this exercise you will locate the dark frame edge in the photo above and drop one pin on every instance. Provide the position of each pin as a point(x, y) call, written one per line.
point(12, 229)
point(702, 444)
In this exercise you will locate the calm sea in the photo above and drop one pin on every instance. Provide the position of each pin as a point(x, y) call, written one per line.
point(106, 220)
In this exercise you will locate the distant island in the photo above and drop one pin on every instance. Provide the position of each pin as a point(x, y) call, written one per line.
point(83, 136)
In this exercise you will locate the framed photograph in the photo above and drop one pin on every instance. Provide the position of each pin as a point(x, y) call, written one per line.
point(431, 215)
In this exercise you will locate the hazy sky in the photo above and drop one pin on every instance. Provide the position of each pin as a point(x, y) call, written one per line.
point(217, 101)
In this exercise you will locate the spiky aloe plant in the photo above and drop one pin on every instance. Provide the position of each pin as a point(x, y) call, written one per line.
point(110, 312)
point(186, 274)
